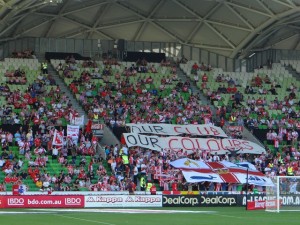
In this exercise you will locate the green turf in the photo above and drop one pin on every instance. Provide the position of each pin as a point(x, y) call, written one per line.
point(219, 216)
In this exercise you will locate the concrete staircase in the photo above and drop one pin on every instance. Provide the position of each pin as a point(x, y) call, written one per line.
point(63, 86)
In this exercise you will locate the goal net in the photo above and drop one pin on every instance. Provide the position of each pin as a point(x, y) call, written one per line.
point(284, 195)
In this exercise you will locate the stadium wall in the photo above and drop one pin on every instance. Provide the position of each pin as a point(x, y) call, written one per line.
point(101, 200)
point(91, 48)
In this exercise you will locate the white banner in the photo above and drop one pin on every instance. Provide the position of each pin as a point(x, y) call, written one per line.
point(73, 132)
point(220, 172)
point(219, 146)
point(171, 129)
point(123, 201)
point(78, 120)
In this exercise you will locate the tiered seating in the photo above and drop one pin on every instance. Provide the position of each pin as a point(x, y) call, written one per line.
point(127, 85)
point(278, 74)
point(21, 100)
point(295, 64)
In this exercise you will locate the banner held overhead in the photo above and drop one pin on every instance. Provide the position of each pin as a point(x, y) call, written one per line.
point(171, 129)
point(175, 143)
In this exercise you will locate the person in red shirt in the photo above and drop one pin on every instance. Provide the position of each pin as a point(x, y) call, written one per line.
point(233, 89)
point(258, 81)
point(153, 189)
point(259, 101)
point(149, 80)
point(37, 142)
point(204, 78)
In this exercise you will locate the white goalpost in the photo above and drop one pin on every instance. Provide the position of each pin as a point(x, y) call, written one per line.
point(284, 195)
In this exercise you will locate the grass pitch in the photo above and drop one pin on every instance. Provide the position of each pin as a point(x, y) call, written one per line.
point(163, 216)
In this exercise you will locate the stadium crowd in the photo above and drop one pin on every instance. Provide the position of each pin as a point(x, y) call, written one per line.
point(78, 167)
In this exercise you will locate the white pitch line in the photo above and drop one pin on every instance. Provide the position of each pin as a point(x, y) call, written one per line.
point(130, 211)
point(229, 216)
point(92, 221)
point(24, 212)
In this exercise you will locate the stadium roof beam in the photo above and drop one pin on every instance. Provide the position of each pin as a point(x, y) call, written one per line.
point(248, 9)
point(62, 9)
point(282, 38)
point(98, 17)
point(152, 12)
point(261, 2)
point(197, 27)
point(11, 25)
point(80, 8)
point(121, 23)
point(136, 12)
point(261, 27)
point(239, 16)
point(87, 27)
point(297, 43)
point(212, 47)
point(285, 4)
point(220, 35)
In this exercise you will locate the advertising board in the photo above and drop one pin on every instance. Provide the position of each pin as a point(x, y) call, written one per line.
point(42, 201)
point(181, 200)
point(123, 201)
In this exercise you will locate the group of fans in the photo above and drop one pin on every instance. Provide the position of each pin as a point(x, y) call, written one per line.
point(118, 103)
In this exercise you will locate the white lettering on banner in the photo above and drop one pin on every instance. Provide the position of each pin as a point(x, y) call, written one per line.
point(218, 200)
point(181, 200)
point(221, 146)
point(270, 200)
point(123, 201)
point(16, 201)
point(73, 201)
point(170, 129)
point(259, 204)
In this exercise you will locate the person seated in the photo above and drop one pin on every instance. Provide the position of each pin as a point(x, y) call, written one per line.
point(59, 67)
point(223, 89)
point(149, 80)
point(95, 73)
point(203, 67)
point(267, 79)
point(174, 77)
point(292, 95)
point(237, 83)
point(117, 76)
point(249, 90)
point(204, 78)
point(233, 89)
point(9, 73)
point(292, 88)
point(230, 81)
point(153, 69)
point(219, 89)
point(195, 68)
point(273, 90)
point(257, 81)
point(259, 101)
point(219, 78)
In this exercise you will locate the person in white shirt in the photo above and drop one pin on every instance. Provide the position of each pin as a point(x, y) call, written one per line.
point(54, 153)
point(2, 161)
point(216, 158)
